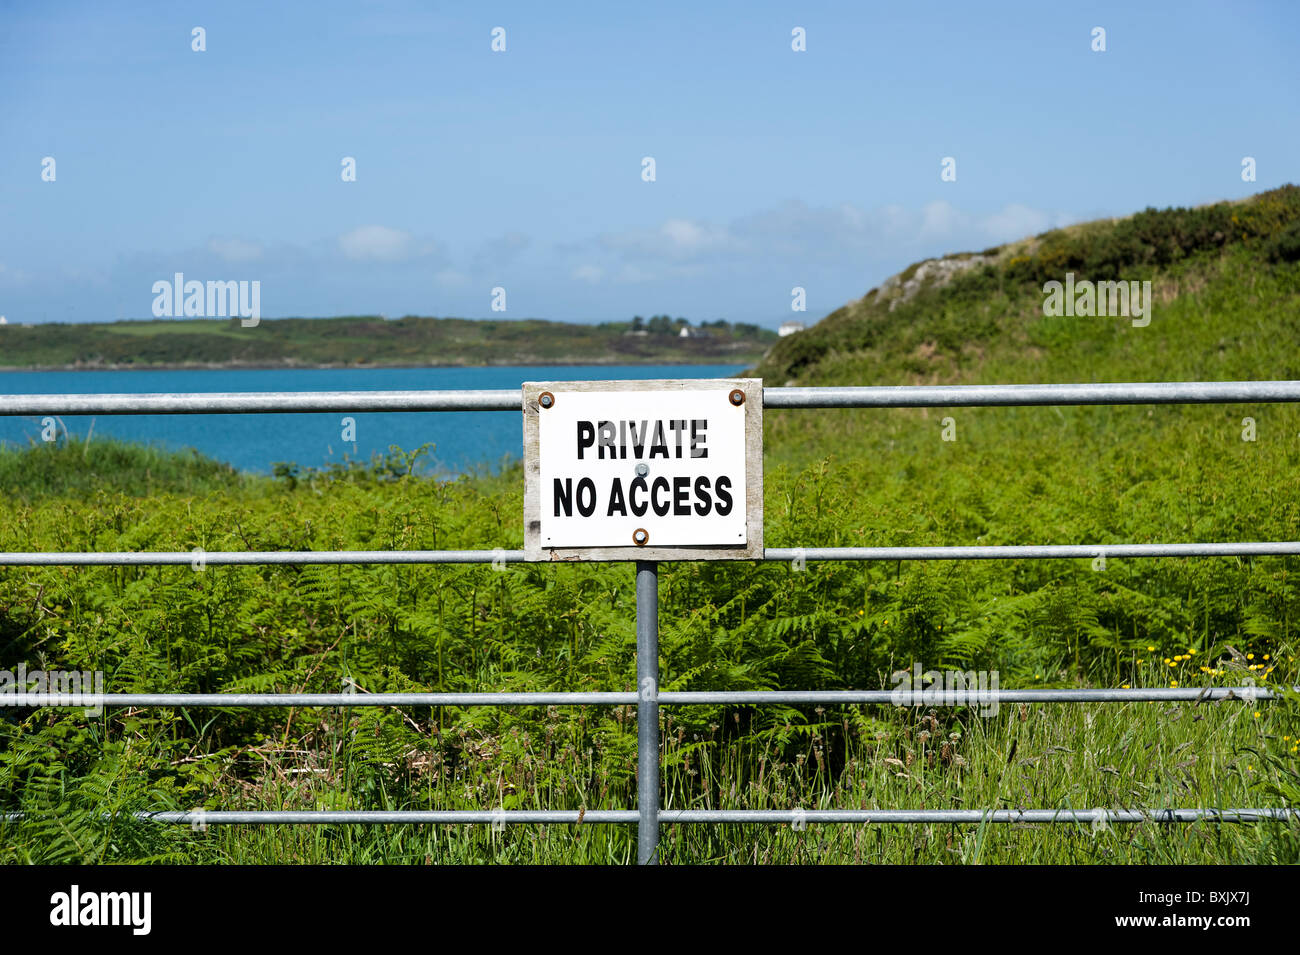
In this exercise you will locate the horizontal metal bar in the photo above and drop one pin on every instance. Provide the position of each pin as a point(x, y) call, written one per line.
point(972, 697)
point(874, 396)
point(258, 402)
point(1036, 551)
point(256, 557)
point(217, 817)
point(976, 396)
point(777, 554)
point(905, 816)
point(238, 700)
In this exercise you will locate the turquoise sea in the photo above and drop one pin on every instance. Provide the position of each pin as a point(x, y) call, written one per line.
point(254, 442)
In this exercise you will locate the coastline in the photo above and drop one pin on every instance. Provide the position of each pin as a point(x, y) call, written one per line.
point(747, 360)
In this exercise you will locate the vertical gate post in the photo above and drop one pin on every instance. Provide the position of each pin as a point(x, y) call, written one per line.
point(647, 710)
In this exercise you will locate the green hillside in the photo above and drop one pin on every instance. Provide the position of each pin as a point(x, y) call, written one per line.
point(1226, 286)
point(979, 316)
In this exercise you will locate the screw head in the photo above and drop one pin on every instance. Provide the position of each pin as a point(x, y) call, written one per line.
point(640, 537)
point(546, 399)
point(642, 469)
point(737, 397)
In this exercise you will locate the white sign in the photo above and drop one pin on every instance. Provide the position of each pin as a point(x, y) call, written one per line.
point(617, 466)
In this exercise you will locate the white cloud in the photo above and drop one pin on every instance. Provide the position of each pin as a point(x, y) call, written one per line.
point(939, 219)
point(377, 243)
point(839, 239)
point(795, 231)
point(505, 248)
point(11, 277)
point(675, 239)
point(633, 274)
point(690, 237)
point(1015, 221)
point(234, 250)
point(451, 278)
point(942, 220)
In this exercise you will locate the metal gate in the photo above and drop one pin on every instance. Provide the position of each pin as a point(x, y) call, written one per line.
point(648, 815)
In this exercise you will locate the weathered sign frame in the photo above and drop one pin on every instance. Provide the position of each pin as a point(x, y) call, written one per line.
point(752, 549)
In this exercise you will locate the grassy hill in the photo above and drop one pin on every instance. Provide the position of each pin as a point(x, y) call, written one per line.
point(970, 316)
point(369, 340)
point(1226, 282)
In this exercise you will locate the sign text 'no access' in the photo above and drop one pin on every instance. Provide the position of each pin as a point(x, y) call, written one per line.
point(636, 467)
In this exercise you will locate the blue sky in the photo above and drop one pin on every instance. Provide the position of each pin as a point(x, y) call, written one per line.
point(523, 169)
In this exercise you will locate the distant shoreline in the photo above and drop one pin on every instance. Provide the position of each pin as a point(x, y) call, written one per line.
point(349, 366)
point(343, 343)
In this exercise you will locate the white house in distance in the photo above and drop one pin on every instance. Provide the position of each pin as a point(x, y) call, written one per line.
point(789, 328)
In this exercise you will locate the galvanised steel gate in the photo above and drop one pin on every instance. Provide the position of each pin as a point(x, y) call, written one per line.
point(648, 816)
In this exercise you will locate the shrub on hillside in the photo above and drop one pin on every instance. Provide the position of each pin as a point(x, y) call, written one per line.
point(1285, 246)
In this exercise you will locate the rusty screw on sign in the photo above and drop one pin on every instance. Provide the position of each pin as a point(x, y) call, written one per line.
point(737, 397)
point(546, 399)
point(640, 537)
